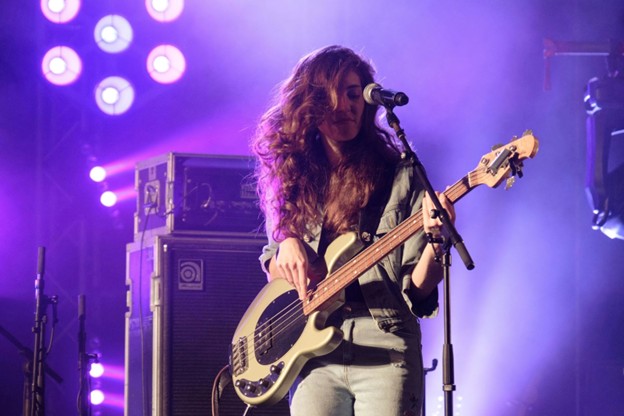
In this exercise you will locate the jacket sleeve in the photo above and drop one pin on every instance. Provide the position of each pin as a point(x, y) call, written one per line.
point(270, 249)
point(412, 250)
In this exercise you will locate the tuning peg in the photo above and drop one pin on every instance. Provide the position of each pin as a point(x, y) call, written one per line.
point(509, 182)
point(496, 146)
point(527, 132)
point(517, 166)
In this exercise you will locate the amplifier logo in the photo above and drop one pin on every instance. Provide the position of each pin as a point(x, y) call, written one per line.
point(191, 274)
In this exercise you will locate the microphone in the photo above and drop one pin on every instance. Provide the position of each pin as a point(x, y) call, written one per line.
point(374, 94)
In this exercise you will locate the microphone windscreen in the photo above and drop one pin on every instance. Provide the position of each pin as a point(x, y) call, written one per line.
point(368, 93)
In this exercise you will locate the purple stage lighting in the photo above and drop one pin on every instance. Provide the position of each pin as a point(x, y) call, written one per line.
point(61, 65)
point(60, 11)
point(96, 370)
point(114, 95)
point(113, 33)
point(111, 198)
point(166, 64)
point(97, 174)
point(164, 10)
point(108, 199)
point(97, 397)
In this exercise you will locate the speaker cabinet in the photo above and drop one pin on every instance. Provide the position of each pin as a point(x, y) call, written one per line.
point(185, 298)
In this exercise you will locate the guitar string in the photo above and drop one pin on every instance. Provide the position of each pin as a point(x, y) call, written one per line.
point(453, 192)
point(297, 304)
point(336, 281)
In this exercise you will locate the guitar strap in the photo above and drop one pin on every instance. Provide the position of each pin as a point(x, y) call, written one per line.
point(370, 215)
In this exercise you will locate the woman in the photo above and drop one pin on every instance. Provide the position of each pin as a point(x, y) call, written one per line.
point(326, 168)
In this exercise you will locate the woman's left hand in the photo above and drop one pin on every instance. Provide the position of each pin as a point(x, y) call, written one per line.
point(432, 223)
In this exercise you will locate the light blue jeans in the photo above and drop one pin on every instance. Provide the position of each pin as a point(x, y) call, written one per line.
point(371, 373)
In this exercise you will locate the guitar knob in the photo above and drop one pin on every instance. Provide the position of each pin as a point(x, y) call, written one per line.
point(275, 369)
point(250, 388)
point(264, 383)
point(240, 384)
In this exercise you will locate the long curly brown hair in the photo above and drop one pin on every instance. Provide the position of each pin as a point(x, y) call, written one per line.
point(297, 186)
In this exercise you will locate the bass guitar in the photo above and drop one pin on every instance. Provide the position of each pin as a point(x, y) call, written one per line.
point(279, 333)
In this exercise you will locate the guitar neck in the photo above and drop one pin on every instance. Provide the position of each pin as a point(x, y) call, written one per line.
point(358, 265)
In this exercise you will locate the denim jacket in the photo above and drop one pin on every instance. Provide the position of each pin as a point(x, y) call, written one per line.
point(386, 285)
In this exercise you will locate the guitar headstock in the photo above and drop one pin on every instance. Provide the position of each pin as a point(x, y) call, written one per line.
point(504, 162)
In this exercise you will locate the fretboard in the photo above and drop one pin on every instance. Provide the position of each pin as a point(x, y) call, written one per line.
point(359, 264)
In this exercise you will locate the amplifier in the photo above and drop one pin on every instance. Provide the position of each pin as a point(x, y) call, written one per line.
point(182, 193)
point(186, 295)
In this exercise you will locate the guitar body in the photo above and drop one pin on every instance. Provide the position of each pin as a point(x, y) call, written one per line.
point(276, 337)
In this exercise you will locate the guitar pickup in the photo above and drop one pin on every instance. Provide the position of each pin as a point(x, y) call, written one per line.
point(498, 161)
point(263, 337)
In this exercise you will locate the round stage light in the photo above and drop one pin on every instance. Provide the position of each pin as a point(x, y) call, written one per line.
point(57, 65)
point(166, 64)
point(61, 65)
point(96, 370)
point(113, 33)
point(164, 10)
point(114, 95)
point(60, 11)
point(97, 397)
point(97, 174)
point(108, 199)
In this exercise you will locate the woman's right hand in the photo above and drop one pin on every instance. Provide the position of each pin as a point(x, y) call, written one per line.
point(292, 264)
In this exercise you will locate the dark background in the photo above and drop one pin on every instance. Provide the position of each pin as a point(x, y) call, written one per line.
point(536, 325)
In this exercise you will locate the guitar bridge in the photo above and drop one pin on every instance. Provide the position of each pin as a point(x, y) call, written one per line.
point(239, 357)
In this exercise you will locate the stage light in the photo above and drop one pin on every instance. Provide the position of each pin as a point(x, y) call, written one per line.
point(110, 95)
point(111, 198)
point(164, 10)
point(96, 370)
point(604, 103)
point(114, 95)
point(61, 65)
point(96, 397)
point(60, 11)
point(108, 199)
point(97, 174)
point(113, 33)
point(166, 64)
point(119, 166)
point(57, 65)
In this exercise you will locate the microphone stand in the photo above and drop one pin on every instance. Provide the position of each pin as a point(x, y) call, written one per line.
point(453, 239)
point(84, 361)
point(37, 392)
point(83, 395)
point(434, 364)
point(27, 353)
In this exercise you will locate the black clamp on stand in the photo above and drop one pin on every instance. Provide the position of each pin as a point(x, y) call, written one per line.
point(427, 370)
point(36, 403)
point(453, 239)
